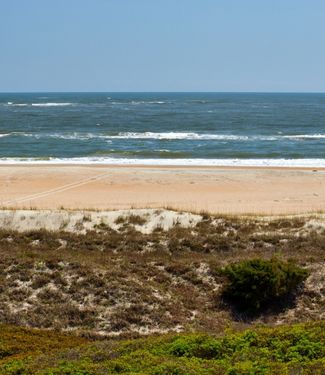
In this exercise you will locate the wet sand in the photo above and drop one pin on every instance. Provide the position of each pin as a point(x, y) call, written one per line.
point(213, 189)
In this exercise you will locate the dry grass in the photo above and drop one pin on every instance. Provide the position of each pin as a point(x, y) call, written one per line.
point(123, 282)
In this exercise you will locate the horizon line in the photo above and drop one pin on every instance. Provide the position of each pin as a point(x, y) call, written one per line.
point(162, 92)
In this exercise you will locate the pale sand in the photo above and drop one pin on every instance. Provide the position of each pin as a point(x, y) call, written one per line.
point(212, 189)
point(83, 221)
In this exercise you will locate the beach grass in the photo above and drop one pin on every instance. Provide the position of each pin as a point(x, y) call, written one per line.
point(126, 282)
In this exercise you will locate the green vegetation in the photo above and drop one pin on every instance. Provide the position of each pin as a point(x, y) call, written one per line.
point(296, 349)
point(17, 343)
point(256, 284)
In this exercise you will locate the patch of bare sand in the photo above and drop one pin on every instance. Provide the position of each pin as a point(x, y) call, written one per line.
point(144, 220)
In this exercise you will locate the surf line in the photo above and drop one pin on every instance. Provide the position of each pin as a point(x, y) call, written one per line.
point(56, 190)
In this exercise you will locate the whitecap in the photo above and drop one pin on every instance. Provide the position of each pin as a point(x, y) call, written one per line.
point(188, 136)
point(50, 104)
point(134, 102)
point(305, 136)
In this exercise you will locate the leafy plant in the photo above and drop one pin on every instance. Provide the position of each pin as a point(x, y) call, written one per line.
point(255, 284)
point(288, 349)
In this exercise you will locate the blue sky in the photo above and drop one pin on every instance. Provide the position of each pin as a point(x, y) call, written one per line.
point(162, 45)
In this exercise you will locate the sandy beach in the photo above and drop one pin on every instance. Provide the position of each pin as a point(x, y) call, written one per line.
point(216, 190)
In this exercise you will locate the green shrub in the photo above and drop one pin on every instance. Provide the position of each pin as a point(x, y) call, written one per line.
point(255, 284)
point(288, 349)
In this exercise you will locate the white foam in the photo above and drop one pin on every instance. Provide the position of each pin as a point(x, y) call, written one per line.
point(189, 136)
point(4, 135)
point(73, 136)
point(139, 102)
point(174, 136)
point(312, 163)
point(202, 136)
point(134, 102)
point(39, 104)
point(145, 135)
point(50, 104)
point(171, 136)
point(305, 136)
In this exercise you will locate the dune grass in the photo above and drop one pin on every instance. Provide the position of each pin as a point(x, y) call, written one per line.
point(127, 283)
point(107, 288)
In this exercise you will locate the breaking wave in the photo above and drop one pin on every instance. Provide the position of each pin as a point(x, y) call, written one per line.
point(166, 136)
point(51, 104)
point(311, 163)
point(38, 104)
point(305, 136)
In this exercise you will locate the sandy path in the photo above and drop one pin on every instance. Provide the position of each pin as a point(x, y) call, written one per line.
point(214, 189)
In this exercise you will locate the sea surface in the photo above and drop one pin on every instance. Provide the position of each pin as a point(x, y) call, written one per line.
point(163, 128)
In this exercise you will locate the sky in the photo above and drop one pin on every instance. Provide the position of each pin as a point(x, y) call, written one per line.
point(162, 45)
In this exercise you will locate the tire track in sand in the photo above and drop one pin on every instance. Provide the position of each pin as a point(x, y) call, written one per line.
point(55, 190)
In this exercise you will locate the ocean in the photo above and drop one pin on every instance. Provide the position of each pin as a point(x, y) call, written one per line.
point(163, 128)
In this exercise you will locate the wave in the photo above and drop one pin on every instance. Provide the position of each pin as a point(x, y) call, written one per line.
point(305, 136)
point(51, 104)
point(134, 102)
point(299, 163)
point(177, 136)
point(202, 136)
point(221, 137)
point(145, 135)
point(65, 104)
point(168, 136)
point(18, 104)
point(64, 136)
point(38, 104)
point(67, 136)
point(138, 102)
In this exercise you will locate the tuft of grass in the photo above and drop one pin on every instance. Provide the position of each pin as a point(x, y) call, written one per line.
point(131, 219)
point(120, 220)
point(136, 220)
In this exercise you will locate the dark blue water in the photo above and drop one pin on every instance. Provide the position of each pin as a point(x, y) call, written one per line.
point(125, 127)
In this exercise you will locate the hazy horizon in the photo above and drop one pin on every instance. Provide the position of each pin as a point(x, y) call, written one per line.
point(162, 92)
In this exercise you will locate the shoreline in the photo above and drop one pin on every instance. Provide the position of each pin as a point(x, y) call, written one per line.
point(164, 167)
point(169, 163)
point(217, 190)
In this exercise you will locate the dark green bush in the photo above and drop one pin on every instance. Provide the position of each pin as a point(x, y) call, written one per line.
point(255, 284)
